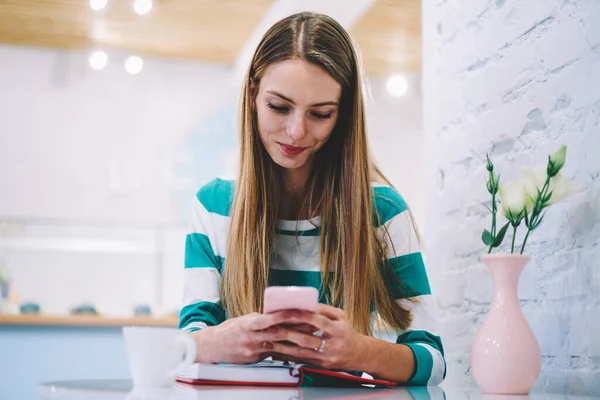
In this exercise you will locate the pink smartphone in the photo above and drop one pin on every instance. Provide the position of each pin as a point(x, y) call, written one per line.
point(279, 298)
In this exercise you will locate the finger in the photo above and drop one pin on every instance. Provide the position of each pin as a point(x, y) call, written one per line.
point(301, 354)
point(282, 357)
point(273, 334)
point(301, 339)
point(317, 321)
point(304, 328)
point(281, 334)
point(330, 312)
point(261, 322)
point(272, 331)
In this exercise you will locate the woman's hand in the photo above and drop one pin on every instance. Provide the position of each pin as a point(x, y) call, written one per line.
point(241, 340)
point(343, 348)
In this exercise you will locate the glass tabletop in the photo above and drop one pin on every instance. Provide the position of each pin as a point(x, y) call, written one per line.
point(120, 389)
point(123, 389)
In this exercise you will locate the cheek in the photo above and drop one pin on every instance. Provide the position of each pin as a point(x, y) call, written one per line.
point(322, 132)
point(268, 123)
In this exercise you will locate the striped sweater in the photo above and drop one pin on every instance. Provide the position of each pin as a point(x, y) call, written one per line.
point(296, 263)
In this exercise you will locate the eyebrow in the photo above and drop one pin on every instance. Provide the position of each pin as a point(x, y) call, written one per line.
point(324, 103)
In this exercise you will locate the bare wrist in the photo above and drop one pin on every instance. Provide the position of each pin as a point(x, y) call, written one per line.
point(203, 340)
point(363, 352)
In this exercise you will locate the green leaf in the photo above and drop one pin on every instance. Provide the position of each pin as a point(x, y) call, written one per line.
point(487, 238)
point(515, 219)
point(500, 236)
point(538, 222)
point(526, 218)
point(537, 206)
point(547, 198)
point(485, 205)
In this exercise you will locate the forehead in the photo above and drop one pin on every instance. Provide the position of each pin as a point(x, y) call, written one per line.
point(301, 81)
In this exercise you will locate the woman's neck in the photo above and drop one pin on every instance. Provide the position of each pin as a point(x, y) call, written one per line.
point(295, 193)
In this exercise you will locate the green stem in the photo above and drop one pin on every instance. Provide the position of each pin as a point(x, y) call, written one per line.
point(525, 240)
point(494, 211)
point(512, 248)
point(536, 212)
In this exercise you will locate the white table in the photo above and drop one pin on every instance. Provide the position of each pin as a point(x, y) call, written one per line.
point(102, 389)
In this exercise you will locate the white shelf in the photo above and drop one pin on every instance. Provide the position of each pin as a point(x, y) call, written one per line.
point(78, 245)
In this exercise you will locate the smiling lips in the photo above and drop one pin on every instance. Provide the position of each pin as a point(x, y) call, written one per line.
point(291, 150)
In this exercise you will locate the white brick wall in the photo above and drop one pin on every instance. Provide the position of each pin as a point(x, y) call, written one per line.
point(516, 79)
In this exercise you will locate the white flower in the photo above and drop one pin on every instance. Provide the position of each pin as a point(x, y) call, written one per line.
point(534, 179)
point(514, 199)
point(561, 188)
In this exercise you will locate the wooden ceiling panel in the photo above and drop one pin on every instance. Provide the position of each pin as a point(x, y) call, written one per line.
point(209, 30)
point(389, 37)
point(388, 34)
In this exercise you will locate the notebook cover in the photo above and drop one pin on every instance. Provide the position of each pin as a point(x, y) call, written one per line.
point(302, 370)
point(235, 383)
point(347, 377)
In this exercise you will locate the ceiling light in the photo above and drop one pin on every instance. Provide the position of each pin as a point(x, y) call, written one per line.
point(98, 5)
point(134, 64)
point(397, 85)
point(142, 7)
point(98, 60)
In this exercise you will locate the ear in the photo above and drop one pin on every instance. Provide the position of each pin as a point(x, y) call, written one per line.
point(253, 89)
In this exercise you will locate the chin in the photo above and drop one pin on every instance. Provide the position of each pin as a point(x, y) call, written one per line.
point(288, 163)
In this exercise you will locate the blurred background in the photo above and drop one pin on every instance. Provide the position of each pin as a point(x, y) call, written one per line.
point(113, 113)
point(116, 112)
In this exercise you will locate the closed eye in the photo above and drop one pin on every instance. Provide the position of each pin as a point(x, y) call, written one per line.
point(285, 110)
point(322, 116)
point(281, 110)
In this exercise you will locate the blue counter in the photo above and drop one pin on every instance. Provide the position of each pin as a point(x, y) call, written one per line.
point(33, 354)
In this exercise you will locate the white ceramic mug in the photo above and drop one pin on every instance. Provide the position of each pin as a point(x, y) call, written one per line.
point(157, 355)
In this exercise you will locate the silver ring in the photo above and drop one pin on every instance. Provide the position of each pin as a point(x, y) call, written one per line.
point(322, 347)
point(318, 333)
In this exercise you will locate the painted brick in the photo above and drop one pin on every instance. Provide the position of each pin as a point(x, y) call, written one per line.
point(552, 381)
point(584, 382)
point(569, 37)
point(457, 332)
point(592, 28)
point(454, 288)
point(479, 285)
point(515, 79)
point(550, 328)
point(570, 282)
point(585, 333)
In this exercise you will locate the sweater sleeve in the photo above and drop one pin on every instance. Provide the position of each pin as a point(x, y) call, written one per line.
point(204, 249)
point(408, 284)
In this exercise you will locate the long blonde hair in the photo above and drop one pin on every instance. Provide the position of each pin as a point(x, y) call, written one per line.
point(352, 256)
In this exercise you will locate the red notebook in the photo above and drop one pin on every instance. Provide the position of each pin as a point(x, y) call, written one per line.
point(269, 373)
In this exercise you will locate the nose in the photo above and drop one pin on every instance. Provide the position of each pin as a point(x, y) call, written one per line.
point(296, 128)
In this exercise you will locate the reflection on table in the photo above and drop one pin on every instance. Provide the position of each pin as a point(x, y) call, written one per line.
point(103, 389)
point(122, 389)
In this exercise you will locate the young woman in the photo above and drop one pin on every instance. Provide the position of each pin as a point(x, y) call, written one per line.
point(309, 208)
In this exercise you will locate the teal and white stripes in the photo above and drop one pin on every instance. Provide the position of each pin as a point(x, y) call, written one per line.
point(296, 262)
point(205, 247)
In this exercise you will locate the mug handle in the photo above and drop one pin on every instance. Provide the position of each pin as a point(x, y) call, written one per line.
point(184, 341)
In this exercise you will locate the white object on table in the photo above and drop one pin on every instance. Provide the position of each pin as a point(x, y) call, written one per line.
point(156, 354)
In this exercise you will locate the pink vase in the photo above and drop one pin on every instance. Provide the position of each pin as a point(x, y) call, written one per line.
point(505, 355)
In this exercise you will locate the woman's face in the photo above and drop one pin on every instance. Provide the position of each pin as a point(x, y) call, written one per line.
point(297, 108)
